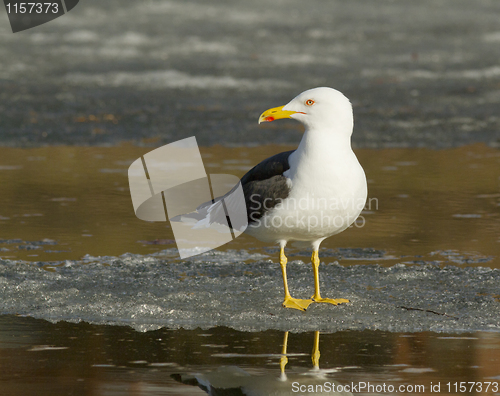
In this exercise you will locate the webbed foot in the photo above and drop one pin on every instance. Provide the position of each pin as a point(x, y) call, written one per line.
point(334, 301)
point(296, 303)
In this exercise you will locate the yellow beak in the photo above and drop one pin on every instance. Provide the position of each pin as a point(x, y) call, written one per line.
point(275, 113)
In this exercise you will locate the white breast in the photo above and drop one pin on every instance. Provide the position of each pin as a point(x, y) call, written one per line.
point(326, 197)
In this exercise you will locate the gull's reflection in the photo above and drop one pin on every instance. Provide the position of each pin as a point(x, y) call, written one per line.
point(235, 381)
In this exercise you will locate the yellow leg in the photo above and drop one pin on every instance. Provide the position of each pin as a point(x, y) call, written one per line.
point(317, 296)
point(284, 359)
point(315, 353)
point(289, 301)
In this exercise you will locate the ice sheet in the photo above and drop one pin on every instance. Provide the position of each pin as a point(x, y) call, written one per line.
point(244, 291)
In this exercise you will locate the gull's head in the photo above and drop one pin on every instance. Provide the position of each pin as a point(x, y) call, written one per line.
point(316, 108)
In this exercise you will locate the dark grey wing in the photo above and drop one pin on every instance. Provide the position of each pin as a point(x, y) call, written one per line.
point(264, 186)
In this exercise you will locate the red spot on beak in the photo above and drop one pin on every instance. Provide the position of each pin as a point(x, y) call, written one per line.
point(269, 118)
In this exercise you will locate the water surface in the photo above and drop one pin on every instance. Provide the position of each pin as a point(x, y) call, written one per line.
point(441, 206)
point(42, 359)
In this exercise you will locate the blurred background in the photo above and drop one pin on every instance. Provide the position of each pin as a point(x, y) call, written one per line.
point(419, 74)
point(83, 96)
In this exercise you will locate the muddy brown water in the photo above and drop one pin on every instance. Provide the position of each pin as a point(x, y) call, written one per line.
point(60, 203)
point(44, 359)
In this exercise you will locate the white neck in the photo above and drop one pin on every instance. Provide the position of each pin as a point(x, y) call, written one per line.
point(320, 148)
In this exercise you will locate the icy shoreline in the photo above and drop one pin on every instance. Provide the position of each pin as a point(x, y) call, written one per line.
point(243, 291)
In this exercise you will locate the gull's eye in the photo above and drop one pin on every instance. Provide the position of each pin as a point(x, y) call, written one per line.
point(309, 102)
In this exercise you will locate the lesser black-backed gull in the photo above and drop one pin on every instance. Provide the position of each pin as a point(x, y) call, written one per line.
point(308, 194)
